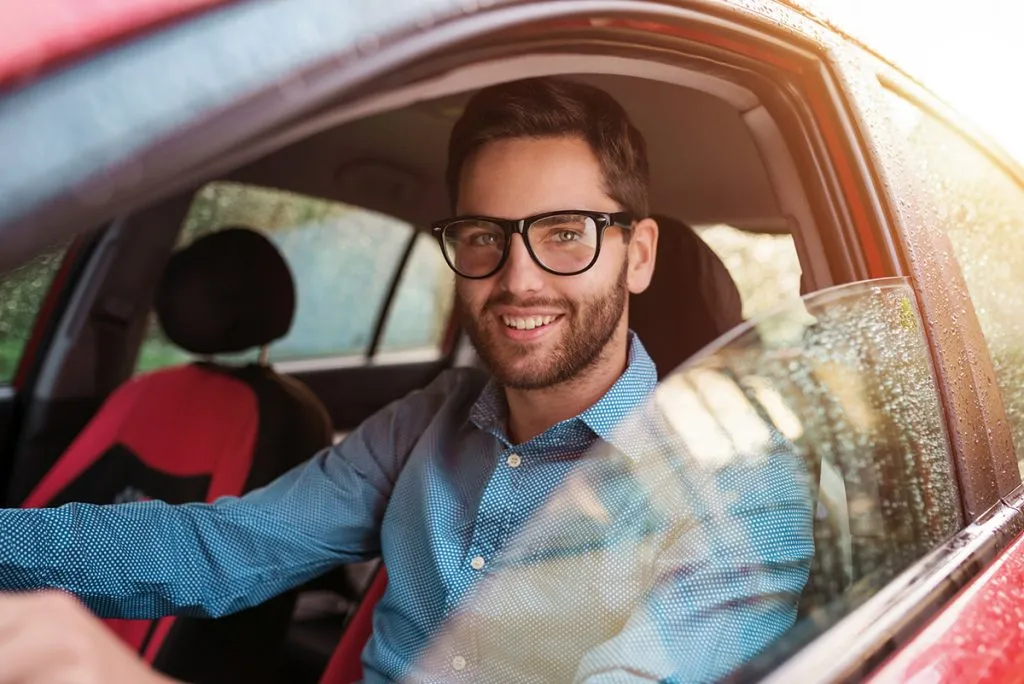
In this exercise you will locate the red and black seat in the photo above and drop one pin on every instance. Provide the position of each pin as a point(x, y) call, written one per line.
point(200, 431)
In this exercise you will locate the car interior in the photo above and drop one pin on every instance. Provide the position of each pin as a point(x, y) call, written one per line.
point(718, 157)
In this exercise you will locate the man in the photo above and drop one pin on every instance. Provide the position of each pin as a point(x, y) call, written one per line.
point(545, 502)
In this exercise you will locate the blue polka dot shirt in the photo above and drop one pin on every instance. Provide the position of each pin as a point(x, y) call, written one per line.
point(602, 550)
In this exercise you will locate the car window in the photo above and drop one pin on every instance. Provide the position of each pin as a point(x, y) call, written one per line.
point(982, 212)
point(343, 259)
point(768, 480)
point(764, 266)
point(22, 292)
point(417, 319)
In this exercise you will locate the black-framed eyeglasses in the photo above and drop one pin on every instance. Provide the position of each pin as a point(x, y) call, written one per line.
point(566, 242)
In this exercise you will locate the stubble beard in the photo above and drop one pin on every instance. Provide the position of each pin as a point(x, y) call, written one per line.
point(589, 327)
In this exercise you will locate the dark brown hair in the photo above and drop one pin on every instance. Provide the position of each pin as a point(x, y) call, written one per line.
point(548, 108)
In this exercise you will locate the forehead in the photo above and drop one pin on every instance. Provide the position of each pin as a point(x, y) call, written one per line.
point(518, 177)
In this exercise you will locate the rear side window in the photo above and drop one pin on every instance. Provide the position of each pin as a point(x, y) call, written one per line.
point(417, 320)
point(22, 292)
point(982, 212)
point(344, 260)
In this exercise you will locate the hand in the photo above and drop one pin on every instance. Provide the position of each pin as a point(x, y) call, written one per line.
point(48, 637)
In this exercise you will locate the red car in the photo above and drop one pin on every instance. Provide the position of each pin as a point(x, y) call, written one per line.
point(840, 264)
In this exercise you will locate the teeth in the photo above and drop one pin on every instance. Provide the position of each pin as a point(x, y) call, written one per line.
point(527, 323)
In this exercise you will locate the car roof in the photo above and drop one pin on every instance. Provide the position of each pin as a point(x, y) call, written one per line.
point(38, 36)
point(108, 114)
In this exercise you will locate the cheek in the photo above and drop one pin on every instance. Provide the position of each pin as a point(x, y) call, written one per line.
point(472, 294)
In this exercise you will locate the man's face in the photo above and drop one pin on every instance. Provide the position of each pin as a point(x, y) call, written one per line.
point(573, 318)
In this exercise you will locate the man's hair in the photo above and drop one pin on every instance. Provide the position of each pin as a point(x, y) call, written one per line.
point(554, 108)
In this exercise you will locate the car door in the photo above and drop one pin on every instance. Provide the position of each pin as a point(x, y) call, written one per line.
point(973, 194)
point(236, 94)
point(950, 200)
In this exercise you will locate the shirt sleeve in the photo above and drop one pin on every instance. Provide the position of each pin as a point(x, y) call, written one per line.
point(726, 587)
point(150, 559)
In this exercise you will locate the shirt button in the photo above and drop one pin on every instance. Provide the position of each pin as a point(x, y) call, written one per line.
point(477, 563)
point(514, 460)
point(458, 663)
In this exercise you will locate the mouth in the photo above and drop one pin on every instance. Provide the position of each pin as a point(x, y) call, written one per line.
point(527, 322)
point(528, 327)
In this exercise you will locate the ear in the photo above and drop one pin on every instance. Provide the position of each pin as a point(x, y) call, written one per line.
point(643, 250)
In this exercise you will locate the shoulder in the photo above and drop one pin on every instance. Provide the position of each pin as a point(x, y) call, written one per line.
point(447, 399)
point(453, 386)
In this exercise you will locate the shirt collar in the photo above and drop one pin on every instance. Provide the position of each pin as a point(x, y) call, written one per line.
point(630, 391)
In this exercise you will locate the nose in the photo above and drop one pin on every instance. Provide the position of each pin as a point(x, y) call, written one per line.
point(520, 275)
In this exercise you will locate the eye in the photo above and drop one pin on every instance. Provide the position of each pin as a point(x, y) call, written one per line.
point(483, 239)
point(566, 235)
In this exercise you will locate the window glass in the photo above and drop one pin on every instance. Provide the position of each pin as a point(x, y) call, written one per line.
point(22, 292)
point(768, 479)
point(418, 318)
point(982, 212)
point(764, 266)
point(343, 259)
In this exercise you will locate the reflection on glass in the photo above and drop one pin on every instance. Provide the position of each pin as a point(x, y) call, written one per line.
point(763, 479)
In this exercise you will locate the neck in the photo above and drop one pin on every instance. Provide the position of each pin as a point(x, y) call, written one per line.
point(531, 412)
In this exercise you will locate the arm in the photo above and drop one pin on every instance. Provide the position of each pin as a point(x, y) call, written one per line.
point(726, 587)
point(148, 559)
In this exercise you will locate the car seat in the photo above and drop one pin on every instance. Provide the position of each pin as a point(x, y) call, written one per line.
point(200, 431)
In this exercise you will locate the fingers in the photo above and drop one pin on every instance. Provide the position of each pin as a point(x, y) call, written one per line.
point(27, 637)
point(50, 638)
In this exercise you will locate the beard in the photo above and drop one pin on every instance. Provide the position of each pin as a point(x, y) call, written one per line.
point(589, 326)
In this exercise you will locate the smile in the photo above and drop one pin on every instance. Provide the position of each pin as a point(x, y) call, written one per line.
point(527, 322)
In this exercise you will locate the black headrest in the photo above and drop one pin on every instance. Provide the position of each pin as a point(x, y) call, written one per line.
point(226, 292)
point(692, 298)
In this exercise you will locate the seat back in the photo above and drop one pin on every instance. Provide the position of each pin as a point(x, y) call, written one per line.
point(199, 432)
point(691, 300)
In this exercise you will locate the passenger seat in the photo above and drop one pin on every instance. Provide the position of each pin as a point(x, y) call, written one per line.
point(200, 431)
